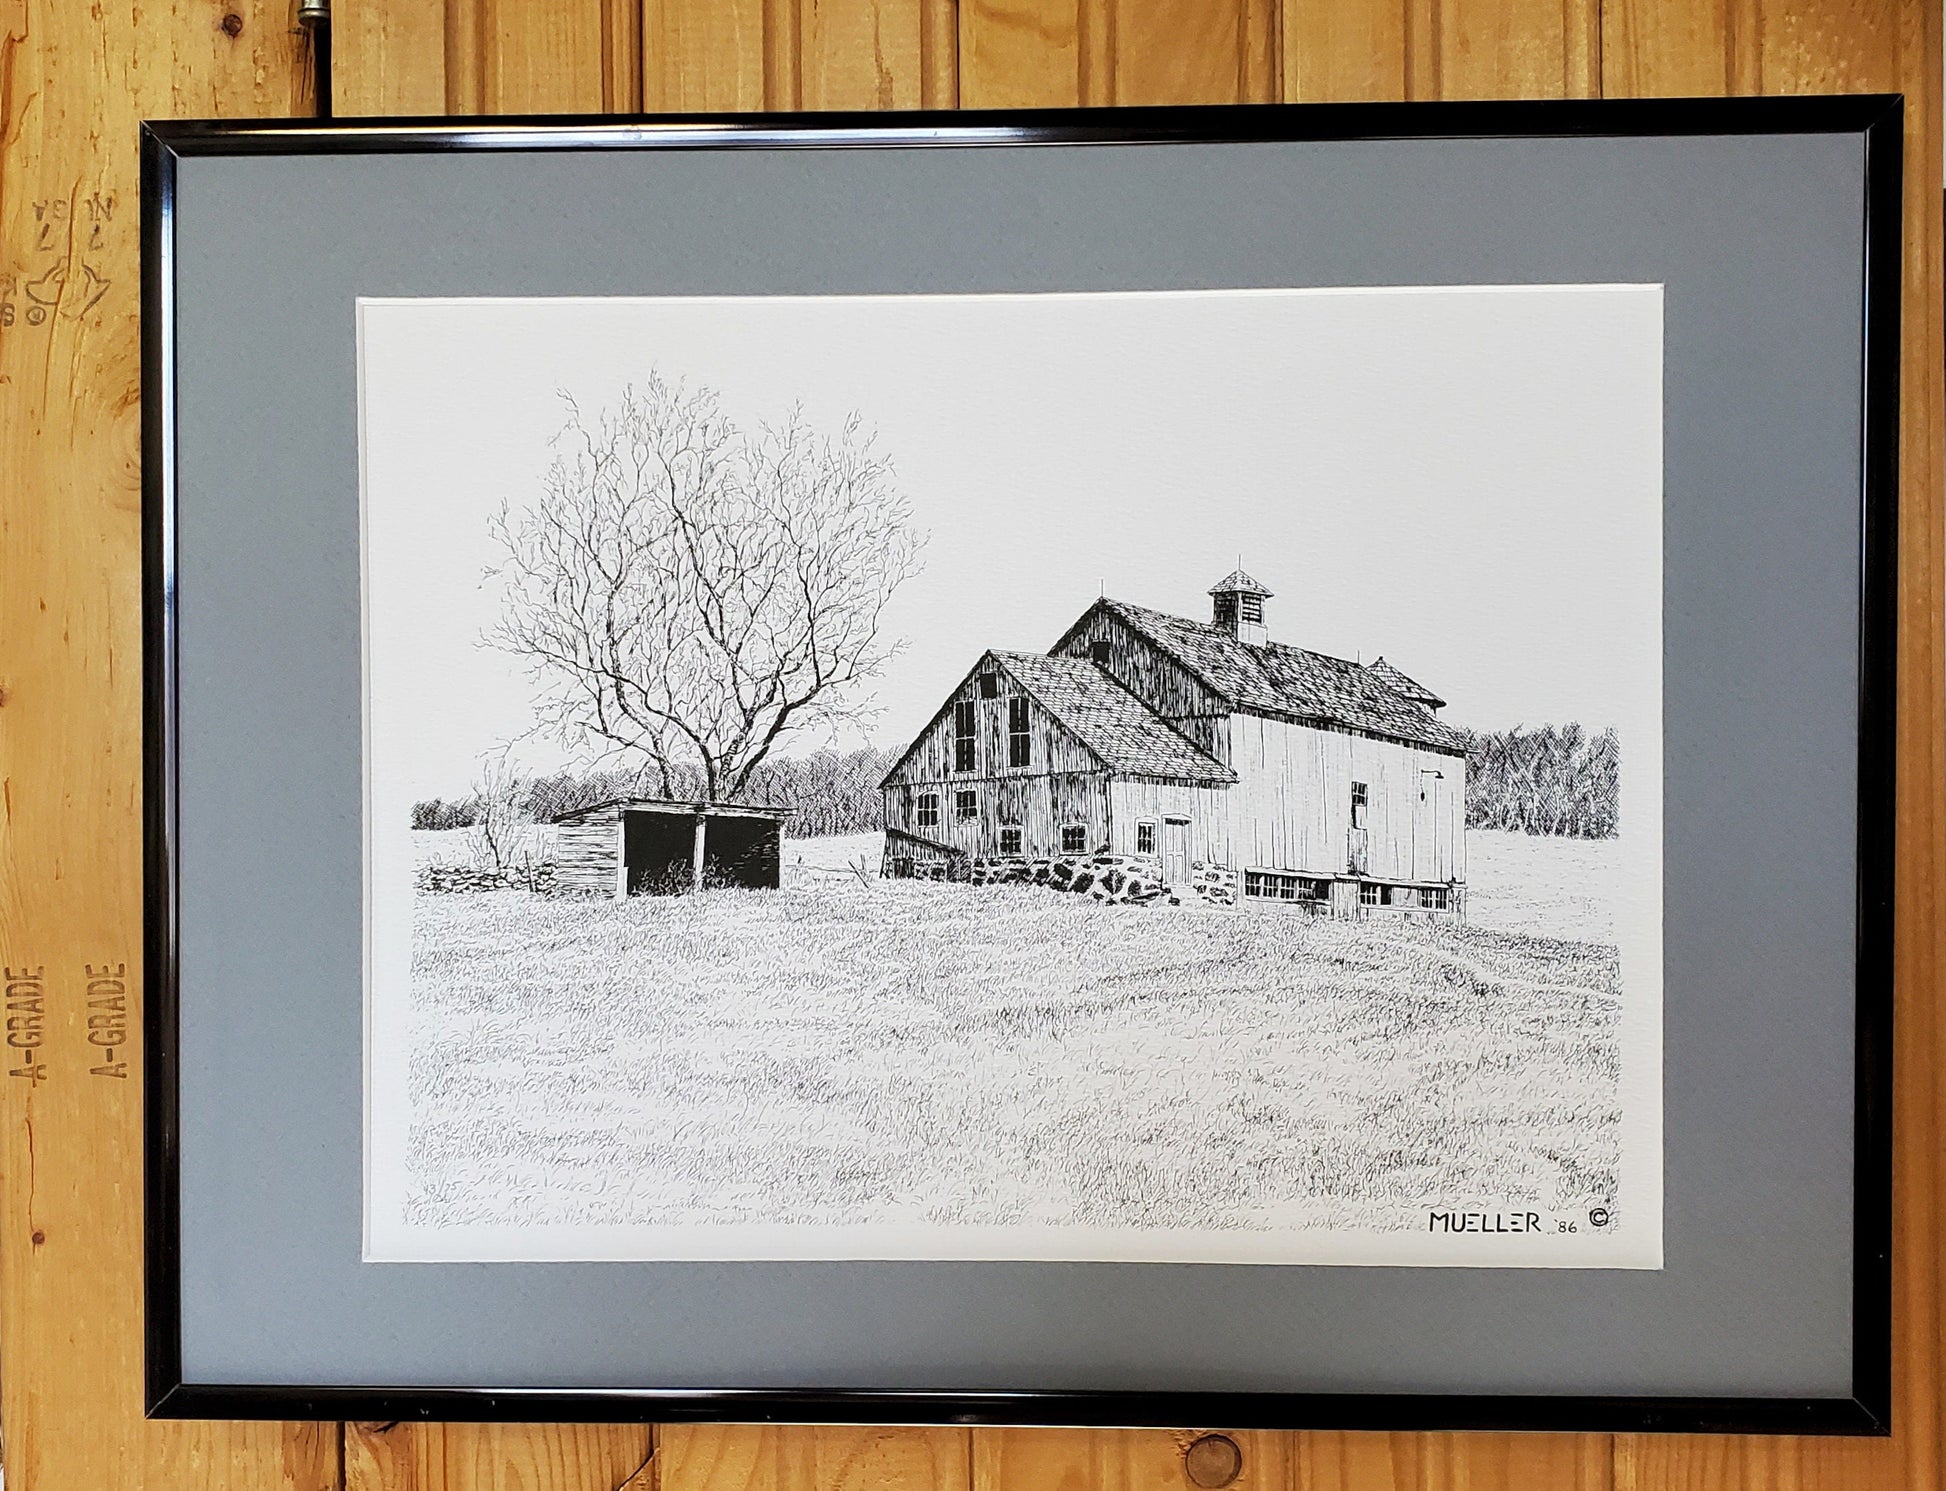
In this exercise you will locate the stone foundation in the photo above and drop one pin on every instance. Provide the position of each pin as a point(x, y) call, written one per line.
point(1117, 879)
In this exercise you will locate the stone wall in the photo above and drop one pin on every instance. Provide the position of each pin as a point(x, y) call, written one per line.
point(456, 879)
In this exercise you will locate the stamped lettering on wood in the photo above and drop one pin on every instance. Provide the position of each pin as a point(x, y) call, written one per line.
point(26, 1023)
point(108, 1018)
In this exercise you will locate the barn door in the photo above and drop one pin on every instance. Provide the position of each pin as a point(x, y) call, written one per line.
point(1426, 819)
point(1175, 850)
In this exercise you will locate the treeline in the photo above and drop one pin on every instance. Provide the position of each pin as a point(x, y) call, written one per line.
point(1552, 779)
point(830, 792)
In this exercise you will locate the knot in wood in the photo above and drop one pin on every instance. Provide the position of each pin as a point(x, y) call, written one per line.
point(1212, 1461)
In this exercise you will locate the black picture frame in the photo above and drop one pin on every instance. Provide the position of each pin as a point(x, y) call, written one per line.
point(1877, 119)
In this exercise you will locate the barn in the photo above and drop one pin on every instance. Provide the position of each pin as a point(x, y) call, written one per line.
point(1319, 781)
point(649, 846)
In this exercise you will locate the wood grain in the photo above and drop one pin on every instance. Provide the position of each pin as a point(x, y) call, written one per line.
point(1118, 1460)
point(742, 1457)
point(513, 58)
point(487, 57)
point(1017, 54)
point(1060, 53)
point(703, 56)
point(713, 55)
point(388, 58)
point(1193, 52)
point(1347, 53)
point(1461, 1462)
point(859, 54)
point(74, 81)
point(499, 1457)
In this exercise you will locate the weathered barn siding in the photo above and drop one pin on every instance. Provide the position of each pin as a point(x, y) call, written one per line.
point(1050, 747)
point(1061, 784)
point(1291, 807)
point(1134, 801)
point(1042, 804)
point(588, 853)
point(1154, 677)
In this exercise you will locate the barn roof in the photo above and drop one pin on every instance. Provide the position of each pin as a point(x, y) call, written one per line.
point(1279, 679)
point(1415, 691)
point(1118, 728)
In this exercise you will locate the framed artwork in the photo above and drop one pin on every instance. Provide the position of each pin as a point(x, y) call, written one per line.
point(1222, 766)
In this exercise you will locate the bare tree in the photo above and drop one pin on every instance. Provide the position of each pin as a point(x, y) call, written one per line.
point(690, 593)
point(497, 792)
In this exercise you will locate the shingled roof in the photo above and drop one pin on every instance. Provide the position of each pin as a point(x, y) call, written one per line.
point(1417, 692)
point(1282, 680)
point(1237, 582)
point(1121, 731)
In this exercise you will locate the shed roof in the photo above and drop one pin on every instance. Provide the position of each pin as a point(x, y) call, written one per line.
point(1122, 732)
point(1283, 680)
point(678, 805)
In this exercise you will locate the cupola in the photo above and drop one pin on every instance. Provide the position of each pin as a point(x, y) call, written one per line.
point(1237, 606)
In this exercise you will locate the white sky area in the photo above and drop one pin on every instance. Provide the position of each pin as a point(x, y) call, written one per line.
point(1465, 481)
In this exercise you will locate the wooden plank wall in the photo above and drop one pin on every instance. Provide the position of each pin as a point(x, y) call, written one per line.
point(75, 78)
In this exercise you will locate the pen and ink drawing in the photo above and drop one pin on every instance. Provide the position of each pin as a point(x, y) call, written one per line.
point(801, 900)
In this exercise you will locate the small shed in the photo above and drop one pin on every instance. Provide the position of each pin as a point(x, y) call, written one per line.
point(639, 846)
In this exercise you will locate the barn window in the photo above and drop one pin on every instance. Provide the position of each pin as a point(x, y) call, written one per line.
point(1250, 607)
point(1368, 894)
point(929, 810)
point(963, 735)
point(1145, 838)
point(1020, 749)
point(1275, 885)
point(1074, 839)
point(1433, 897)
point(966, 803)
point(1359, 798)
point(1010, 838)
point(989, 685)
point(1098, 653)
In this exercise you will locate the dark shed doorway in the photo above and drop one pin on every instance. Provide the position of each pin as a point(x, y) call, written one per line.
point(741, 846)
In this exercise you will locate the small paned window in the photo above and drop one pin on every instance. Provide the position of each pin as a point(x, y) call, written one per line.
point(1433, 897)
point(1074, 839)
point(1098, 653)
point(929, 810)
point(1020, 747)
point(1145, 838)
point(989, 685)
point(1360, 796)
point(1010, 838)
point(1368, 894)
point(966, 804)
point(1275, 885)
point(963, 735)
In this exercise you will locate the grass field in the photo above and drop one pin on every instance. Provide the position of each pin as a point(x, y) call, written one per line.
point(863, 1050)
